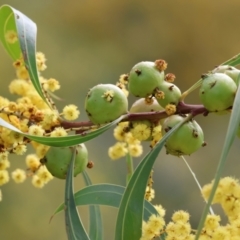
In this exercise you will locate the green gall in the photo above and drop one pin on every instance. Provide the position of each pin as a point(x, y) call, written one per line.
point(57, 160)
point(171, 94)
point(105, 103)
point(146, 105)
point(231, 71)
point(144, 78)
point(186, 140)
point(217, 92)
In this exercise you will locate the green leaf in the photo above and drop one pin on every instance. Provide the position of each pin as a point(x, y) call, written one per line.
point(74, 226)
point(26, 29)
point(234, 61)
point(130, 168)
point(230, 136)
point(65, 141)
point(7, 25)
point(95, 220)
point(107, 195)
point(129, 220)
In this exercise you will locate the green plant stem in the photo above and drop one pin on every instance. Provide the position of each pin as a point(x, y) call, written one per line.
point(130, 169)
point(192, 88)
point(196, 180)
point(234, 61)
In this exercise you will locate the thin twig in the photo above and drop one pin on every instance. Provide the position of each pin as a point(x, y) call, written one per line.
point(196, 180)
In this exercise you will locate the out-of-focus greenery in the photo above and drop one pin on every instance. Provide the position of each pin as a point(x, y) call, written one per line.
point(90, 42)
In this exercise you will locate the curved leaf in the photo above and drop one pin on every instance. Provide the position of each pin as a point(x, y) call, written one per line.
point(26, 29)
point(95, 219)
point(8, 25)
point(74, 226)
point(230, 136)
point(65, 141)
point(129, 220)
point(107, 195)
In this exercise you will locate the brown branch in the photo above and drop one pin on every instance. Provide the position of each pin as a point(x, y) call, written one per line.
point(182, 108)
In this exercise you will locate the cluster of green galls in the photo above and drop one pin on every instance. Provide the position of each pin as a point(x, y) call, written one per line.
point(148, 82)
point(147, 79)
point(155, 90)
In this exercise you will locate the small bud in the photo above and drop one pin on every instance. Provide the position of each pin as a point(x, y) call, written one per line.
point(161, 65)
point(170, 77)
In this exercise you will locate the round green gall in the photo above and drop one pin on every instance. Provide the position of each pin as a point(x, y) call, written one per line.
point(144, 78)
point(221, 68)
point(168, 93)
point(185, 140)
point(146, 105)
point(231, 71)
point(57, 160)
point(105, 103)
point(217, 92)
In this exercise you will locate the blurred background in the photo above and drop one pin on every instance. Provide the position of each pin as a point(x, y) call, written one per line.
point(91, 42)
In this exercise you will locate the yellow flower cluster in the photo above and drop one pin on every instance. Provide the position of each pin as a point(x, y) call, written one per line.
point(42, 177)
point(19, 175)
point(32, 162)
point(227, 195)
point(156, 135)
point(130, 136)
point(154, 226)
point(70, 112)
point(150, 192)
point(4, 177)
point(51, 85)
point(122, 82)
point(127, 143)
point(141, 130)
point(179, 227)
point(32, 115)
point(170, 109)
